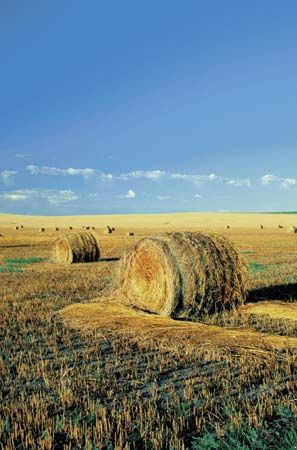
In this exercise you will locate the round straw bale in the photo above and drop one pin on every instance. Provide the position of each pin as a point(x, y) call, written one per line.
point(293, 229)
point(41, 230)
point(130, 233)
point(77, 247)
point(70, 228)
point(107, 230)
point(56, 228)
point(261, 226)
point(183, 275)
point(16, 227)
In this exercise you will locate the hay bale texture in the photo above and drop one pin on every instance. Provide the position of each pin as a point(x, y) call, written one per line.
point(183, 275)
point(77, 247)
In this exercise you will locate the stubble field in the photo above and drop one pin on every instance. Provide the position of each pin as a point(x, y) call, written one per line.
point(81, 370)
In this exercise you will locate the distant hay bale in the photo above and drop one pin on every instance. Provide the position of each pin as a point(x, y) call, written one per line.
point(280, 226)
point(57, 228)
point(112, 228)
point(93, 228)
point(183, 275)
point(77, 247)
point(130, 233)
point(261, 226)
point(228, 226)
point(22, 226)
point(41, 230)
point(293, 229)
point(16, 227)
point(107, 230)
point(88, 228)
point(70, 228)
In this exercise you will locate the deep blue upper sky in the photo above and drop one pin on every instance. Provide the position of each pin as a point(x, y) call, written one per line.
point(172, 105)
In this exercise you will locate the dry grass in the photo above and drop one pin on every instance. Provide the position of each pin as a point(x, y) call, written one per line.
point(96, 375)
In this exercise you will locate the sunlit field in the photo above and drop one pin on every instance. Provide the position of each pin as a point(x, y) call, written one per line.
point(81, 370)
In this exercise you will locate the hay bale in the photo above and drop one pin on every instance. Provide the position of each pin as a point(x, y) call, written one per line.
point(70, 228)
point(41, 230)
point(293, 229)
point(107, 230)
point(22, 226)
point(228, 226)
point(183, 275)
point(261, 226)
point(280, 226)
point(93, 228)
point(130, 233)
point(112, 228)
point(57, 228)
point(88, 228)
point(16, 227)
point(77, 247)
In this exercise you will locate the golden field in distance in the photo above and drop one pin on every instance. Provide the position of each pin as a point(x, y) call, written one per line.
point(155, 221)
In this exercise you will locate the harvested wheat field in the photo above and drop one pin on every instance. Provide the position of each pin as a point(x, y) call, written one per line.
point(83, 367)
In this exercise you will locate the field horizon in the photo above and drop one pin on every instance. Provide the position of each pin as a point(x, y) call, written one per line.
point(167, 221)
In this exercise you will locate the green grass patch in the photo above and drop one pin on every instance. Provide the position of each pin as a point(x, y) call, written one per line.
point(16, 265)
point(24, 261)
point(255, 266)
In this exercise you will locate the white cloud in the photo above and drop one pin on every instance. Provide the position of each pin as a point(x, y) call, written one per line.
point(14, 196)
point(61, 197)
point(288, 182)
point(198, 196)
point(163, 197)
point(106, 176)
point(44, 170)
point(285, 182)
point(130, 194)
point(22, 155)
point(267, 179)
point(238, 182)
point(7, 177)
point(54, 197)
point(149, 174)
point(197, 179)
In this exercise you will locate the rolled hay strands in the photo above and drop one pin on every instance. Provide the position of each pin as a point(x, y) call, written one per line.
point(77, 247)
point(183, 275)
point(107, 230)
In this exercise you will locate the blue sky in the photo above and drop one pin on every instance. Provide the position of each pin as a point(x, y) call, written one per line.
point(121, 107)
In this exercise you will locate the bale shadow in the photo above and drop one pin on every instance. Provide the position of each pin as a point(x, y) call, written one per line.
point(285, 292)
point(114, 258)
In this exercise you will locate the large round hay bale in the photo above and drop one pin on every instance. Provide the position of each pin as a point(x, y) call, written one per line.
point(183, 274)
point(77, 247)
